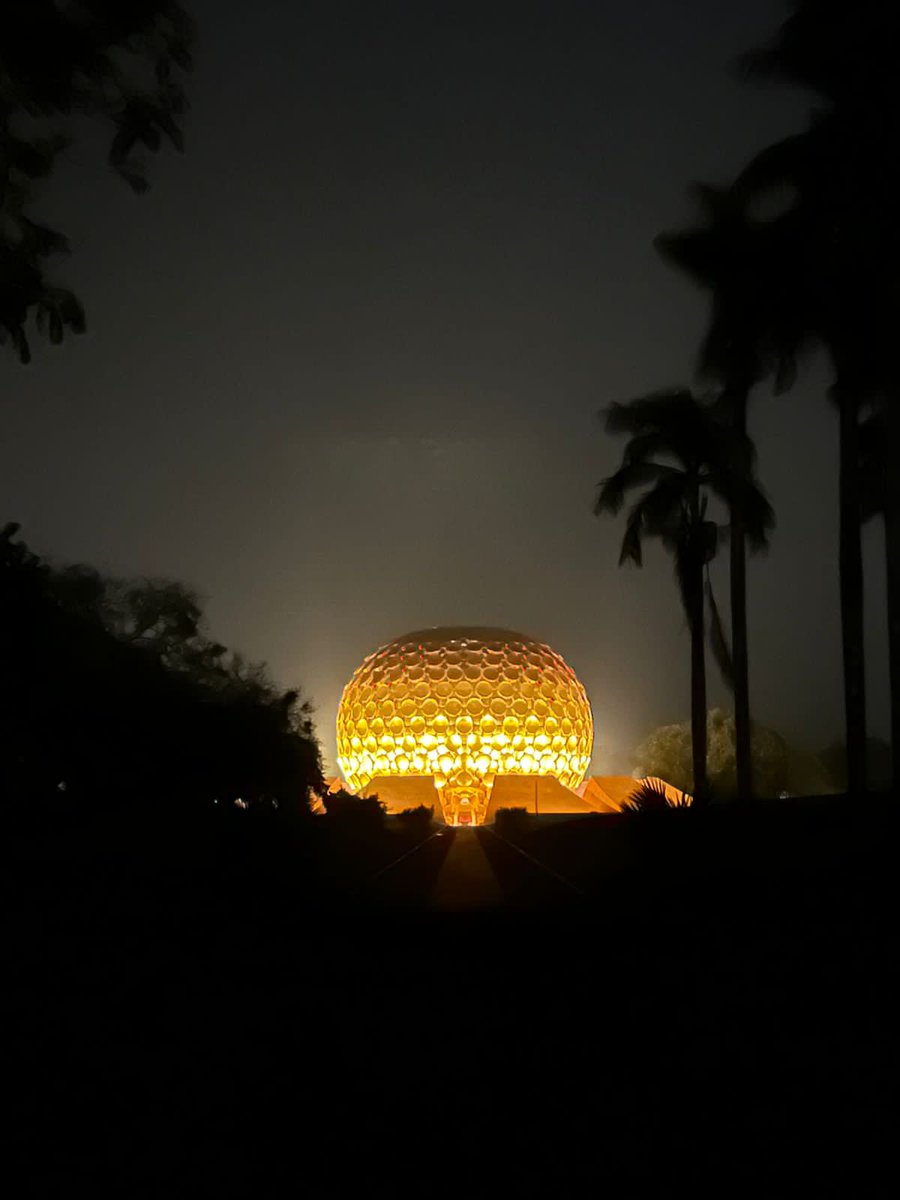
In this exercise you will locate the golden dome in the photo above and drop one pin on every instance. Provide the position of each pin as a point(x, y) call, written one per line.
point(464, 705)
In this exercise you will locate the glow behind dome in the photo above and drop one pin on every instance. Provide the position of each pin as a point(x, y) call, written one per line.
point(464, 705)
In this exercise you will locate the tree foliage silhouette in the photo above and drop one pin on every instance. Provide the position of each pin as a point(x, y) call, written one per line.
point(118, 64)
point(115, 690)
point(680, 454)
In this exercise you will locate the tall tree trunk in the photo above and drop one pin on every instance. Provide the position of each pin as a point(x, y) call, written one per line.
point(892, 552)
point(851, 583)
point(698, 684)
point(739, 657)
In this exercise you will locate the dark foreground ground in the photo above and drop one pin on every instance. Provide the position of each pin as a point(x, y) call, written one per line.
point(681, 1003)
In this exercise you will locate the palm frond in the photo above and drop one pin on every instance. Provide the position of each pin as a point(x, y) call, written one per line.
point(666, 506)
point(672, 508)
point(708, 537)
point(757, 517)
point(786, 162)
point(718, 640)
point(644, 446)
point(632, 539)
point(691, 251)
point(610, 495)
point(657, 410)
point(659, 513)
point(630, 476)
point(653, 795)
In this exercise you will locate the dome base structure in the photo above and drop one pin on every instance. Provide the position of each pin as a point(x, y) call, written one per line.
point(540, 795)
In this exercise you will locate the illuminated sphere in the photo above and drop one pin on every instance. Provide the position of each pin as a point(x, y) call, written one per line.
point(464, 705)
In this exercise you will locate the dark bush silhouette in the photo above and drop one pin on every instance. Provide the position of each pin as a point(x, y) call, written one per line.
point(363, 813)
point(511, 822)
point(417, 819)
point(112, 692)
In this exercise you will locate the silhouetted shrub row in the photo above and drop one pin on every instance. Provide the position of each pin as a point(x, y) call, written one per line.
point(358, 812)
point(510, 822)
point(417, 819)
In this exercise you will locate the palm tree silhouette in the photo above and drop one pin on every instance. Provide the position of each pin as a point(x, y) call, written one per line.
point(747, 338)
point(837, 310)
point(680, 453)
point(842, 265)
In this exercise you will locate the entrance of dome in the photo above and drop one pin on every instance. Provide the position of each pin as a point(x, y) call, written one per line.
point(464, 805)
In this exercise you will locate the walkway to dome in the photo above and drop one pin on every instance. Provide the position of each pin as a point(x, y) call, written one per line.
point(466, 879)
point(470, 869)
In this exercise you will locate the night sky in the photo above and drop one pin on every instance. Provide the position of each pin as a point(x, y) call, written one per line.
point(345, 360)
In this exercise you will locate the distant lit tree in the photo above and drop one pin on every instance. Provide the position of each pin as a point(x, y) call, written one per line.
point(777, 766)
point(120, 64)
point(680, 454)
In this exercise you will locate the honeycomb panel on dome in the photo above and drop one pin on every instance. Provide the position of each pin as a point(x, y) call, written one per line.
point(464, 705)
